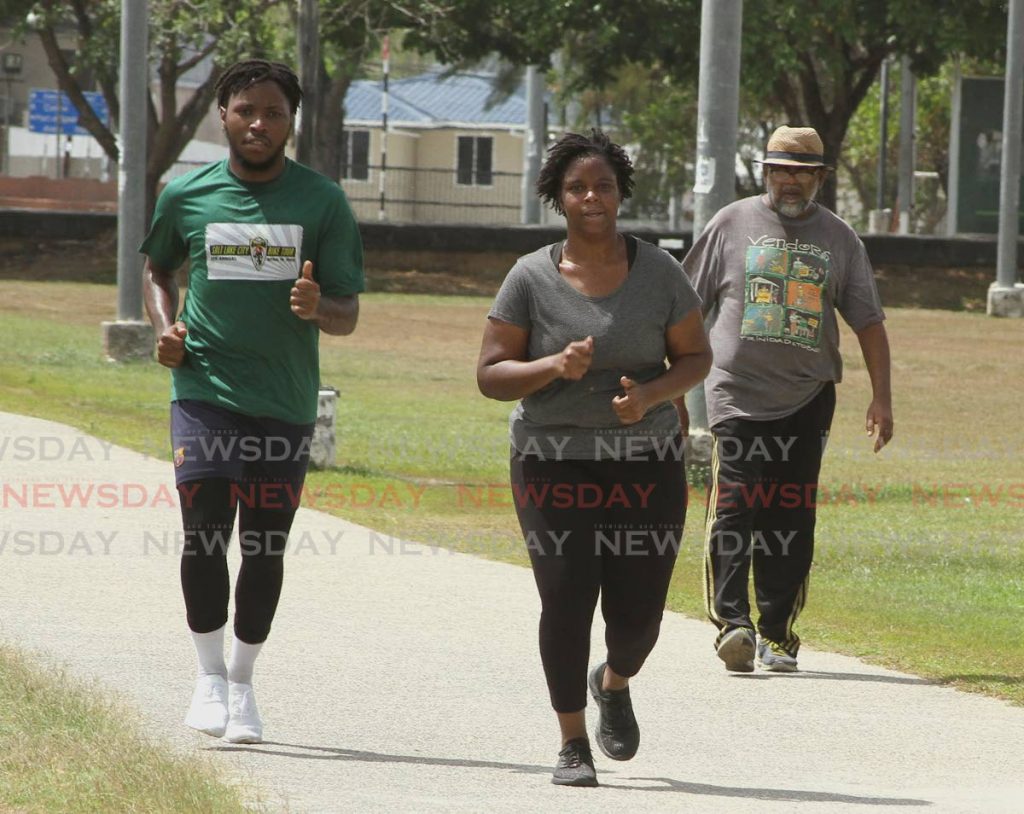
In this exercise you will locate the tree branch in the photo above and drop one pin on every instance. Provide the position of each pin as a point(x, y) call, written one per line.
point(67, 83)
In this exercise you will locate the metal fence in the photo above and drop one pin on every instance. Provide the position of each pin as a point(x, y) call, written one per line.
point(434, 195)
point(418, 195)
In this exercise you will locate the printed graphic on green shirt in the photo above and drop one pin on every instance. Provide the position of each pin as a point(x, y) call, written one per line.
point(783, 295)
point(253, 251)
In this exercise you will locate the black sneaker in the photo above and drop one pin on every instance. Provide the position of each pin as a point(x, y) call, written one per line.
point(575, 765)
point(617, 733)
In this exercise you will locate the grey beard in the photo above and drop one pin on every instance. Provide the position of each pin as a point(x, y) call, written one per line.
point(792, 210)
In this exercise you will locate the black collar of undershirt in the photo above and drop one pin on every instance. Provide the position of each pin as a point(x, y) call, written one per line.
point(631, 249)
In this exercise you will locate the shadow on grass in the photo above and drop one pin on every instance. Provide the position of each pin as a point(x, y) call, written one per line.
point(869, 677)
point(665, 784)
point(975, 678)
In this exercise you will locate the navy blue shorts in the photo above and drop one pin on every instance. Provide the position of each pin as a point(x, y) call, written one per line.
point(212, 442)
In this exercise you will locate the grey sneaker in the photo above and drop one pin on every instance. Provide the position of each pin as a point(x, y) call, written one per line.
point(616, 732)
point(772, 656)
point(736, 649)
point(575, 765)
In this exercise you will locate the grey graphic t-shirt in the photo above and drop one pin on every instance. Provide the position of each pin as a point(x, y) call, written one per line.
point(777, 283)
point(574, 420)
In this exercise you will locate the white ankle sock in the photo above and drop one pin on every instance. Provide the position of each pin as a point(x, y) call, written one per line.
point(210, 652)
point(243, 657)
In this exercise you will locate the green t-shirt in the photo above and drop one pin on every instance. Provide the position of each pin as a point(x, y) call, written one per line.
point(246, 243)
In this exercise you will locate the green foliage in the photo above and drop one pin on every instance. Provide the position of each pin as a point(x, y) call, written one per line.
point(859, 161)
point(657, 119)
point(803, 61)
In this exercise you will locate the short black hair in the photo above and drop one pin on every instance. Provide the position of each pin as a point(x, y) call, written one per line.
point(573, 146)
point(254, 71)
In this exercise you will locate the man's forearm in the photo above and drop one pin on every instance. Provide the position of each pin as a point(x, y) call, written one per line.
point(874, 345)
point(338, 315)
point(160, 296)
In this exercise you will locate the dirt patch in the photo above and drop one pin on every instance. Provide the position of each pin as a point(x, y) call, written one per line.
point(76, 261)
point(95, 261)
point(951, 289)
point(418, 282)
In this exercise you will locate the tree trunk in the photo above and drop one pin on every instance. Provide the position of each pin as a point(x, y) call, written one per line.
point(330, 120)
point(830, 188)
point(857, 179)
point(826, 100)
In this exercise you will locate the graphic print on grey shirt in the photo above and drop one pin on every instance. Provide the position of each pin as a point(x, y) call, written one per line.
point(777, 283)
point(574, 420)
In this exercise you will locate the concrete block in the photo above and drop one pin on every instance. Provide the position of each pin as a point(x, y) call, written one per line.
point(1005, 301)
point(128, 341)
point(322, 449)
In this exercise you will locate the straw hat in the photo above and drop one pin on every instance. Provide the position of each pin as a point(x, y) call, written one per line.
point(795, 147)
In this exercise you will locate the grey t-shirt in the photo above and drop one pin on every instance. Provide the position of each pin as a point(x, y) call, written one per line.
point(574, 420)
point(777, 283)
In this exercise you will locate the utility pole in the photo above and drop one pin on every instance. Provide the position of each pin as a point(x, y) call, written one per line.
point(129, 337)
point(309, 78)
point(905, 189)
point(533, 143)
point(385, 64)
point(718, 104)
point(1006, 295)
point(12, 63)
point(878, 218)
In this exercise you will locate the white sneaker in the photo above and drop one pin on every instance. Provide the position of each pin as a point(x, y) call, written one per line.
point(208, 711)
point(244, 724)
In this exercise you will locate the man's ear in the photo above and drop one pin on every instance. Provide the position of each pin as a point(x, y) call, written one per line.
point(223, 113)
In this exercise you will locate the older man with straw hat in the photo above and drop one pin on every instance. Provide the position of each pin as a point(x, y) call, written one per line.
point(774, 269)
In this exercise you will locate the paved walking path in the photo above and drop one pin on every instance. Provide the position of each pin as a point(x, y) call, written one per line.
point(402, 678)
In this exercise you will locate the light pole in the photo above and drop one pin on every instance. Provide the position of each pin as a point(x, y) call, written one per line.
point(1006, 295)
point(129, 337)
point(905, 195)
point(878, 218)
point(533, 144)
point(718, 102)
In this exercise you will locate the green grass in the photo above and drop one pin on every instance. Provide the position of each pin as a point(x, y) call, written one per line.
point(918, 564)
point(63, 748)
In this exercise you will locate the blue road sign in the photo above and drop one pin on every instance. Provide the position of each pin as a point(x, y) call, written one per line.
point(48, 107)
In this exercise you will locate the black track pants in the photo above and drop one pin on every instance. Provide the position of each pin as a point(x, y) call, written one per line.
point(761, 512)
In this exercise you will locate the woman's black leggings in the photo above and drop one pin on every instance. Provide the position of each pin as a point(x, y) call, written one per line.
point(608, 527)
point(208, 508)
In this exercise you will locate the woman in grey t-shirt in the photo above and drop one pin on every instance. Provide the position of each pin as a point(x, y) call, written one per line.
point(579, 333)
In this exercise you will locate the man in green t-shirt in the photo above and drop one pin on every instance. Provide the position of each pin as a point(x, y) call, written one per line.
point(274, 257)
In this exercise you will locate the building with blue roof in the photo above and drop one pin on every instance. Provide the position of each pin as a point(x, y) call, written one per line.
point(454, 150)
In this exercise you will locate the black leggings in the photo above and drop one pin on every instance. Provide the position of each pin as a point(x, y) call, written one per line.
point(598, 527)
point(208, 508)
